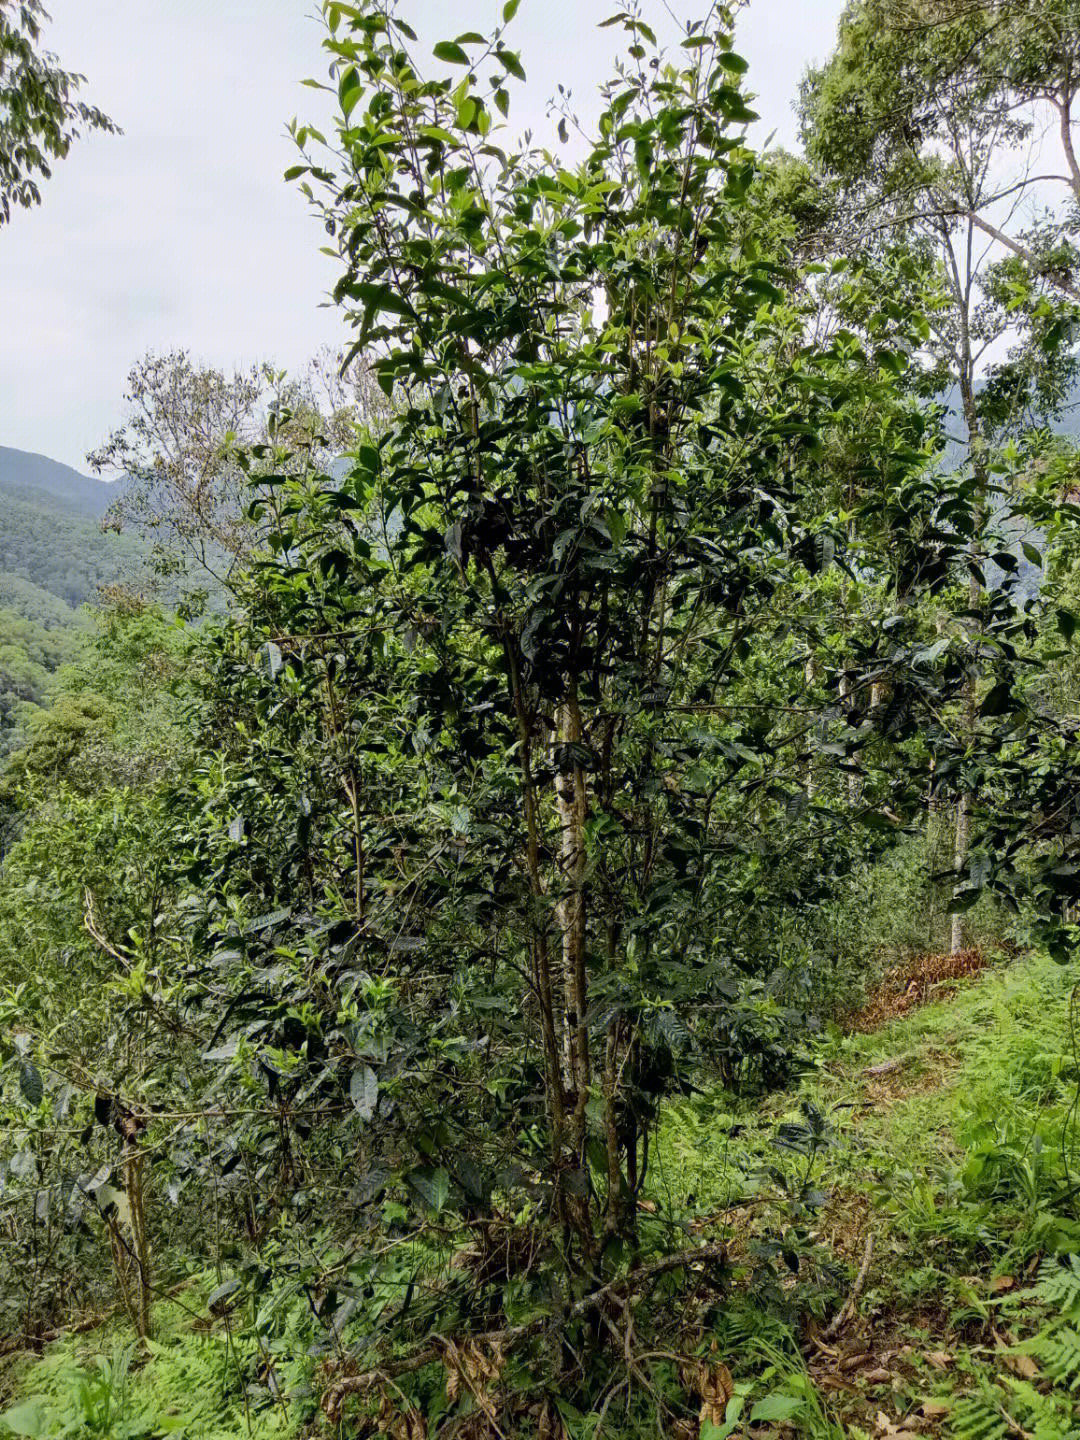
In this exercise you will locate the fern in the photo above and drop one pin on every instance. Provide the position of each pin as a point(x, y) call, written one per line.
point(980, 1416)
point(1057, 1344)
point(1043, 1417)
point(1058, 1347)
point(1058, 1287)
point(1015, 1406)
point(991, 1413)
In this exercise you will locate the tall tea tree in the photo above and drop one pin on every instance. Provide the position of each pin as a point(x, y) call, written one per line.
point(594, 475)
point(507, 711)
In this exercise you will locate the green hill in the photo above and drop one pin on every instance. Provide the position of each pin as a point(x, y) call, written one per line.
point(54, 557)
point(36, 478)
point(50, 530)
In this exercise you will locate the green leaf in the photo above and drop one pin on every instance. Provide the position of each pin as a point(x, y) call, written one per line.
point(510, 9)
point(776, 1406)
point(436, 132)
point(33, 1090)
point(349, 92)
point(451, 52)
point(892, 361)
point(379, 298)
point(26, 1419)
point(963, 900)
point(215, 1302)
point(431, 1185)
point(364, 1091)
point(997, 699)
point(510, 62)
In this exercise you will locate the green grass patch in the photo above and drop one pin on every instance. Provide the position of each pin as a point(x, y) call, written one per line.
point(192, 1383)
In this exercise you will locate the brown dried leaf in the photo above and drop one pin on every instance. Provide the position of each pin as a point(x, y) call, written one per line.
point(830, 1381)
point(852, 1362)
point(892, 1429)
point(939, 1359)
point(1022, 1365)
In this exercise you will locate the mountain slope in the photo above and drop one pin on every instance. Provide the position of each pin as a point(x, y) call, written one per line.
point(51, 536)
point(35, 478)
point(54, 556)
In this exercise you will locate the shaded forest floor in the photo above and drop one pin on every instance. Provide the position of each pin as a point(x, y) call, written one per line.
point(911, 1199)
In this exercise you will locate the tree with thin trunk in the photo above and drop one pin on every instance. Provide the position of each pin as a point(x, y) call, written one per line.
point(927, 115)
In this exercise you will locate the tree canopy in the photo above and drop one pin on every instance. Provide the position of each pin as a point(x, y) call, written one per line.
point(40, 112)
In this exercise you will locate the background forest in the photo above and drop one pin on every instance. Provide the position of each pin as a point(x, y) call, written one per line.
point(539, 855)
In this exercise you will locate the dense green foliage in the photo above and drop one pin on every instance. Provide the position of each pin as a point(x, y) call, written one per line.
point(63, 553)
point(30, 653)
point(427, 972)
point(54, 558)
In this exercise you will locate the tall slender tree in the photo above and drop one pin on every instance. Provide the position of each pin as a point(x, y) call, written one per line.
point(927, 115)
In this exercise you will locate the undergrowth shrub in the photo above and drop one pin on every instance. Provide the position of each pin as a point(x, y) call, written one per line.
point(196, 1384)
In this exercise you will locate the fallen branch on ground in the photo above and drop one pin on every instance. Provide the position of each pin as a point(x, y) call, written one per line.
point(849, 1304)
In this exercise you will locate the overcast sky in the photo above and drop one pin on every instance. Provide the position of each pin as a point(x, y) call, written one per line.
point(181, 231)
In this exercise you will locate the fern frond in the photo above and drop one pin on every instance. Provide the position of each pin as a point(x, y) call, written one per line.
point(1043, 1417)
point(1058, 1286)
point(979, 1417)
point(1059, 1350)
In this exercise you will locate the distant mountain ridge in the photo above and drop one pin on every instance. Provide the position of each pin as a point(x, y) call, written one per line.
point(51, 538)
point(30, 477)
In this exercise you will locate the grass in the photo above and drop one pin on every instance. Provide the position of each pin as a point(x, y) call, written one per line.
point(959, 1159)
point(188, 1382)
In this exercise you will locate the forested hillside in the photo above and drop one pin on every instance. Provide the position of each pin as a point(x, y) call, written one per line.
point(37, 479)
point(51, 533)
point(581, 944)
point(54, 558)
